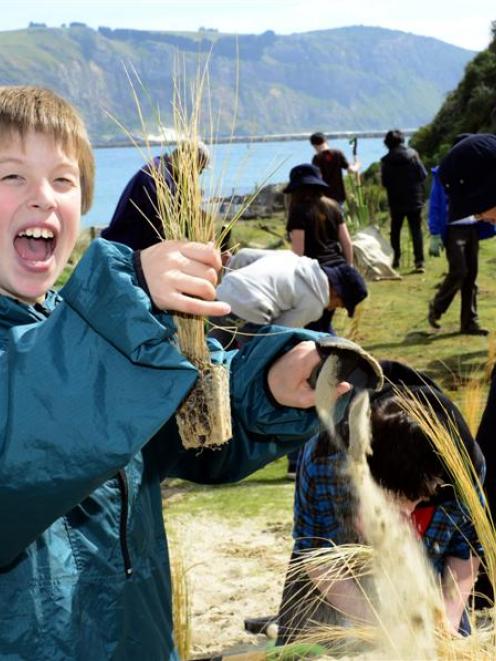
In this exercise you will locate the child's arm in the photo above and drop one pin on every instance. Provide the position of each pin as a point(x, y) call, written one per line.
point(461, 561)
point(438, 208)
point(458, 581)
point(263, 428)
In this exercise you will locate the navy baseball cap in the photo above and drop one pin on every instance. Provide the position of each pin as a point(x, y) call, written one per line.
point(468, 174)
point(347, 283)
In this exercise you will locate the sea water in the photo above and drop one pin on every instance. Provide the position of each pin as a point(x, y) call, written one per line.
point(235, 168)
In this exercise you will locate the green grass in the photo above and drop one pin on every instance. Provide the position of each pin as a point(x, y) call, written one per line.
point(261, 232)
point(266, 495)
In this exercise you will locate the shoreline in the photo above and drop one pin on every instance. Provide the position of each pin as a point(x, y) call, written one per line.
point(154, 141)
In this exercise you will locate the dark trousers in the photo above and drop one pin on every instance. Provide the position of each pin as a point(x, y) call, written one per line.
point(414, 219)
point(462, 252)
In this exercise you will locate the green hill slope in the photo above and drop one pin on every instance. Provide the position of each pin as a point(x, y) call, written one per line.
point(470, 108)
point(342, 79)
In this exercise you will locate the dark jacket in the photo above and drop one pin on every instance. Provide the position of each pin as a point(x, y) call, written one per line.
point(135, 221)
point(403, 174)
point(88, 393)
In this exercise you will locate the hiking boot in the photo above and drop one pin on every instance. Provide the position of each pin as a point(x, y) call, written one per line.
point(419, 268)
point(474, 329)
point(433, 318)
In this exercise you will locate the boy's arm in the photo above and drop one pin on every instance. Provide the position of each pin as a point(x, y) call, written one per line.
point(421, 171)
point(263, 427)
point(384, 174)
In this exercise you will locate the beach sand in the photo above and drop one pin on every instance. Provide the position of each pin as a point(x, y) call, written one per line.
point(233, 573)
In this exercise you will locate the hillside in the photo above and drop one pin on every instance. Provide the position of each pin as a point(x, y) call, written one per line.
point(469, 108)
point(342, 79)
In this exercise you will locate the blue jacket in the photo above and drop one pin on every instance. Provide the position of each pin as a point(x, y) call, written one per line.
point(88, 389)
point(438, 212)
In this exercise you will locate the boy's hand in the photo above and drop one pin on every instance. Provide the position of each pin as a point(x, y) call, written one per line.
point(182, 275)
point(288, 377)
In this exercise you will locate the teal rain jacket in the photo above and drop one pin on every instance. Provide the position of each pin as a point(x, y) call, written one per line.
point(88, 389)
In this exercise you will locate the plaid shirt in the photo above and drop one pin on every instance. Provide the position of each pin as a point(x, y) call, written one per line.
point(324, 506)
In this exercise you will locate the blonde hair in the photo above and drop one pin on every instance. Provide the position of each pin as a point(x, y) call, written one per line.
point(26, 108)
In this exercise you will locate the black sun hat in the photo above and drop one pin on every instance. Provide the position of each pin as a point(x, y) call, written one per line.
point(468, 174)
point(305, 174)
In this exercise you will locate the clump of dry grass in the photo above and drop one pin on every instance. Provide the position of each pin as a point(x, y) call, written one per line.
point(474, 391)
point(204, 418)
point(491, 357)
point(181, 603)
point(473, 402)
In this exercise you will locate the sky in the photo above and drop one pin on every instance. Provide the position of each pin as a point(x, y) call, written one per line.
point(464, 23)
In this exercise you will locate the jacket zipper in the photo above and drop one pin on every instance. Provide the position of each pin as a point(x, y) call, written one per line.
point(123, 487)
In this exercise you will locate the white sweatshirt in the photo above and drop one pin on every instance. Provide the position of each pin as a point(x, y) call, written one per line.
point(274, 286)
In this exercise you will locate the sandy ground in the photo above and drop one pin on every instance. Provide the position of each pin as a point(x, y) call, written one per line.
point(232, 573)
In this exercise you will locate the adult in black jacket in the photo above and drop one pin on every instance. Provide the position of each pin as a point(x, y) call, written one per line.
point(403, 174)
point(136, 221)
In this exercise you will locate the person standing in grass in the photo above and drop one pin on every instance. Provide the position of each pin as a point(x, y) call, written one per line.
point(91, 380)
point(331, 163)
point(460, 236)
point(403, 175)
point(316, 227)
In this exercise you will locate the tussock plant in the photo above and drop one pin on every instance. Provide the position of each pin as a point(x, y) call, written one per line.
point(181, 604)
point(472, 402)
point(189, 213)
